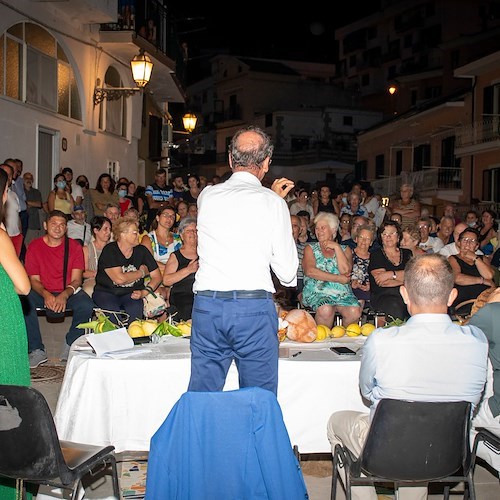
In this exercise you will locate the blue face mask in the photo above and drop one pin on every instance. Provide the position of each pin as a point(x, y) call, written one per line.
point(61, 184)
point(122, 193)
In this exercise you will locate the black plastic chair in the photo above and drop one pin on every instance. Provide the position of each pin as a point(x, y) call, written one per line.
point(31, 452)
point(411, 442)
point(489, 439)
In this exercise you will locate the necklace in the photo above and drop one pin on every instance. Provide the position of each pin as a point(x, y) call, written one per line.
point(391, 260)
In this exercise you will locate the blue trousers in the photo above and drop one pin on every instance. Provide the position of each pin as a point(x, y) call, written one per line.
point(81, 305)
point(245, 330)
point(133, 307)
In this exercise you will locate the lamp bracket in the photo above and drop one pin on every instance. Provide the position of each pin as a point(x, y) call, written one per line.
point(113, 94)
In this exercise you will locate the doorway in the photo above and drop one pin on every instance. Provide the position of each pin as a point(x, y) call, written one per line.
point(47, 160)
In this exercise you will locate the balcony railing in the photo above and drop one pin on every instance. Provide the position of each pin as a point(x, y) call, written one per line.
point(149, 20)
point(425, 180)
point(479, 132)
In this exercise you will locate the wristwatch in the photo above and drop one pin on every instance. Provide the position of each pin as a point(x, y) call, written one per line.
point(394, 275)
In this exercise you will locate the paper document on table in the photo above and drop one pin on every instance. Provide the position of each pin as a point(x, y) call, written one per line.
point(108, 342)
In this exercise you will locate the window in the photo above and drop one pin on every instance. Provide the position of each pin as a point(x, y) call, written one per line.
point(112, 114)
point(32, 59)
point(421, 156)
point(379, 166)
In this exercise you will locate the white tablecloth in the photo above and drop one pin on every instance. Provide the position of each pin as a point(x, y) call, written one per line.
point(123, 401)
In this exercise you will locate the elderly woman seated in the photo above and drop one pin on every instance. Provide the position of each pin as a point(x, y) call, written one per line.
point(180, 270)
point(473, 273)
point(327, 267)
point(122, 268)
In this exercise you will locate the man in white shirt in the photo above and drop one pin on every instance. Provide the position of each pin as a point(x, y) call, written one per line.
point(451, 248)
point(244, 231)
point(427, 359)
point(431, 244)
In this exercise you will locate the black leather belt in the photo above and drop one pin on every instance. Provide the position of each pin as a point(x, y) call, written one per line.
point(236, 294)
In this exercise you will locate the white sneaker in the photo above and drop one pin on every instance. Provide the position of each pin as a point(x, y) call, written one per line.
point(37, 357)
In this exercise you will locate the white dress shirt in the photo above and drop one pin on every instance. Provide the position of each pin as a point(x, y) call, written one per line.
point(428, 359)
point(244, 229)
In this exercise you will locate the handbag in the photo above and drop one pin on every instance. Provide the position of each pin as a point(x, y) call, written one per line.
point(154, 304)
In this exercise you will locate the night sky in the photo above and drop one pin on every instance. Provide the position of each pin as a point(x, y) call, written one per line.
point(253, 29)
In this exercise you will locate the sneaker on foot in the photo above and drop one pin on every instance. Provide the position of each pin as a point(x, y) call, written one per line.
point(64, 352)
point(37, 357)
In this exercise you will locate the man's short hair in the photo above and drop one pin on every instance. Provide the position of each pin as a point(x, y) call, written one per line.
point(429, 279)
point(57, 213)
point(161, 171)
point(67, 170)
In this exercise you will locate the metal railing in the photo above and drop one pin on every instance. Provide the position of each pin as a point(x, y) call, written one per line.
point(478, 132)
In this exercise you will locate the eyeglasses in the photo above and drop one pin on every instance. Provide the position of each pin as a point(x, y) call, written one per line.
point(364, 238)
point(168, 216)
point(388, 235)
point(424, 226)
point(131, 232)
point(469, 240)
point(345, 221)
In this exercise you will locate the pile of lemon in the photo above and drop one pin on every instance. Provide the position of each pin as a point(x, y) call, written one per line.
point(352, 330)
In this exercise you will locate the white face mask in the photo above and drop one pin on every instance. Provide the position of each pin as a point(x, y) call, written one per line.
point(471, 224)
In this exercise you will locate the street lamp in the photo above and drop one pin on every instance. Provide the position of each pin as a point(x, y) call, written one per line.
point(141, 66)
point(189, 121)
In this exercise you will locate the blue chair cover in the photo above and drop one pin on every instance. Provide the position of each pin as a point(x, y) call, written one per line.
point(224, 445)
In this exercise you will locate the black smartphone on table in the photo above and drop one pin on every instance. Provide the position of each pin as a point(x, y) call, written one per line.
point(343, 350)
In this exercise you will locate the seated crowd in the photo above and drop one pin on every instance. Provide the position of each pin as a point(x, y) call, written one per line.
point(112, 246)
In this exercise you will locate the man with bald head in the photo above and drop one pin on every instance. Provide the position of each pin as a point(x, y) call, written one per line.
point(451, 248)
point(244, 232)
point(429, 358)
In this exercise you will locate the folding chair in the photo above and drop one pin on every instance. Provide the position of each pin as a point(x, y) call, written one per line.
point(411, 442)
point(31, 451)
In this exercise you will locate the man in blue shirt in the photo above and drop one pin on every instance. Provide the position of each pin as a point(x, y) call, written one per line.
point(427, 359)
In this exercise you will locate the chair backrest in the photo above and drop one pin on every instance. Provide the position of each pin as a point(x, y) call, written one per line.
point(417, 441)
point(231, 444)
point(29, 445)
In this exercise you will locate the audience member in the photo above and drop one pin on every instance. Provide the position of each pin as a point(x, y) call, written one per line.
point(131, 190)
point(451, 248)
point(406, 205)
point(344, 233)
point(178, 188)
point(445, 229)
point(370, 201)
point(134, 213)
point(193, 210)
point(78, 229)
point(305, 216)
point(158, 195)
point(487, 318)
point(327, 267)
point(434, 221)
point(356, 222)
point(59, 198)
point(407, 362)
point(193, 191)
point(161, 241)
point(100, 229)
point(354, 206)
point(36, 215)
point(12, 219)
point(411, 240)
point(302, 204)
point(488, 231)
point(430, 244)
point(397, 217)
point(54, 286)
point(182, 210)
point(103, 194)
point(473, 273)
point(123, 200)
point(74, 189)
point(450, 210)
point(18, 188)
point(386, 269)
point(112, 212)
point(472, 219)
point(83, 182)
point(360, 277)
point(180, 269)
point(122, 268)
point(324, 202)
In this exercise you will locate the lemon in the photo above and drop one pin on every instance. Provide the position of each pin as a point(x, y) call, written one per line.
point(135, 329)
point(322, 332)
point(184, 327)
point(353, 330)
point(367, 328)
point(337, 331)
